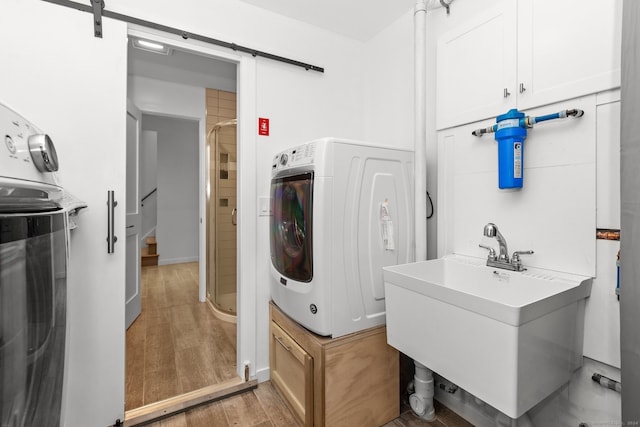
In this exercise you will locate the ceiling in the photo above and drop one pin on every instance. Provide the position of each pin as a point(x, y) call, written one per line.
point(183, 67)
point(357, 19)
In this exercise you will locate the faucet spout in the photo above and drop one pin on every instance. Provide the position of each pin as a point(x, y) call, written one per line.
point(491, 230)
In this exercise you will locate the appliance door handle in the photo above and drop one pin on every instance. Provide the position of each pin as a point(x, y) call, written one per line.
point(234, 216)
point(111, 237)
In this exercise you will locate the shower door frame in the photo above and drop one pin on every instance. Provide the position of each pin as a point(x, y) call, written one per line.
point(213, 148)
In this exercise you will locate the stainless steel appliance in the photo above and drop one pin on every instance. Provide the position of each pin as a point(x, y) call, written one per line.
point(35, 217)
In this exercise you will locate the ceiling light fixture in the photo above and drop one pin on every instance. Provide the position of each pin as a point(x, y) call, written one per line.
point(150, 46)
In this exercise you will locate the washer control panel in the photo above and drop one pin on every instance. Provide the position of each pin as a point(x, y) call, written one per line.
point(294, 157)
point(26, 153)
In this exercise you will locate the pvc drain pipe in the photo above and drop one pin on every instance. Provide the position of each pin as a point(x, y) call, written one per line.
point(422, 400)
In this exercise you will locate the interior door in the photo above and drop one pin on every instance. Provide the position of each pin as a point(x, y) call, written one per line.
point(78, 101)
point(133, 303)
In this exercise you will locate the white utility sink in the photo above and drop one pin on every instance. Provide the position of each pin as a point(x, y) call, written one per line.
point(509, 338)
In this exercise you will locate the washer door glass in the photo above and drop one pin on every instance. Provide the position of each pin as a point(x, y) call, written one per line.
point(291, 226)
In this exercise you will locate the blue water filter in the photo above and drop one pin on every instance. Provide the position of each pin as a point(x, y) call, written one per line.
point(510, 134)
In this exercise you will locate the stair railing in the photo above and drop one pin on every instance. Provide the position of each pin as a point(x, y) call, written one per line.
point(148, 195)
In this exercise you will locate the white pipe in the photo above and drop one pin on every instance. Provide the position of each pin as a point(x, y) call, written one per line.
point(422, 400)
point(420, 131)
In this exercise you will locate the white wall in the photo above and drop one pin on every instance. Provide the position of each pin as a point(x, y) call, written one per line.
point(178, 188)
point(158, 97)
point(388, 114)
point(388, 85)
point(602, 317)
point(148, 181)
point(553, 214)
point(169, 99)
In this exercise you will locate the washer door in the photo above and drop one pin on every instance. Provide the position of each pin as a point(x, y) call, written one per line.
point(291, 226)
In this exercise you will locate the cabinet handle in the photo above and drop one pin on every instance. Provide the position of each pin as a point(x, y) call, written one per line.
point(522, 88)
point(279, 339)
point(506, 93)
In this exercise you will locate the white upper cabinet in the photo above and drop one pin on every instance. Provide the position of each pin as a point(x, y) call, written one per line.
point(567, 48)
point(517, 55)
point(475, 68)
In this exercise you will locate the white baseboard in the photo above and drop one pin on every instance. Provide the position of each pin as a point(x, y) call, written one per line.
point(177, 260)
point(263, 375)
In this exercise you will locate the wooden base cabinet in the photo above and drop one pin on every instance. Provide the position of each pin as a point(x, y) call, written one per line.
point(346, 381)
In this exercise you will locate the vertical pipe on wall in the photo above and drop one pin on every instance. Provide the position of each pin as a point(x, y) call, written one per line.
point(422, 399)
point(630, 214)
point(420, 132)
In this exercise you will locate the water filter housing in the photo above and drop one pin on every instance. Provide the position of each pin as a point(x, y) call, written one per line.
point(511, 131)
point(510, 136)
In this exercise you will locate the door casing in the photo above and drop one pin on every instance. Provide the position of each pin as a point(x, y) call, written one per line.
point(247, 192)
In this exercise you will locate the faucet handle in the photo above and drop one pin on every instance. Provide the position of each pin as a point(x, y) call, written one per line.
point(492, 252)
point(515, 258)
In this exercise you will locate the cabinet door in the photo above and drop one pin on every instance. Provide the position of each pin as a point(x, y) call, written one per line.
point(567, 49)
point(476, 65)
point(292, 373)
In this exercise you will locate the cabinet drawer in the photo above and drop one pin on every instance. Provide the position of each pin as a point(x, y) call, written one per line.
point(292, 373)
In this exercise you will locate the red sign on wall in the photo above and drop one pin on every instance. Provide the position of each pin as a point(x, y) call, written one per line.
point(263, 126)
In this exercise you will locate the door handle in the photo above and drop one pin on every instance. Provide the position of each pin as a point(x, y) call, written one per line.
point(111, 237)
point(234, 216)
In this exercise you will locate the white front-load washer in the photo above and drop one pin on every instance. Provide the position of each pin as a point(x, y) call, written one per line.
point(341, 210)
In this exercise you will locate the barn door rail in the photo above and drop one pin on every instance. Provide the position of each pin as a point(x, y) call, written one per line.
point(97, 9)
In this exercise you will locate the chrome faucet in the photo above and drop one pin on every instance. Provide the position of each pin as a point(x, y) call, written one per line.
point(502, 260)
point(491, 230)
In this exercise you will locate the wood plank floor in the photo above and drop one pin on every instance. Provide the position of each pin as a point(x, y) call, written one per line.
point(264, 407)
point(176, 345)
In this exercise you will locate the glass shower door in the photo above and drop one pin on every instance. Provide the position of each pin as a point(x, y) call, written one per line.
point(222, 218)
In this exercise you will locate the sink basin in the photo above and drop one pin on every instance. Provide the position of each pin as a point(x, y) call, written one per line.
point(509, 338)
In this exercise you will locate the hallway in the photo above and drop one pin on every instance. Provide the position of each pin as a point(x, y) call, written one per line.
point(176, 345)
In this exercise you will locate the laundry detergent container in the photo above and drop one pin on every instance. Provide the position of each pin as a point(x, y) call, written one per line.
point(340, 211)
